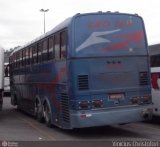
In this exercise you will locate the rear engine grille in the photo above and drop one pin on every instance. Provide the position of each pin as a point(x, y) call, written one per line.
point(65, 107)
point(83, 82)
point(143, 78)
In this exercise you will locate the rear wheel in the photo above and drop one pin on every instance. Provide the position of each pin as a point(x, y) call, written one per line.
point(47, 115)
point(39, 112)
point(15, 102)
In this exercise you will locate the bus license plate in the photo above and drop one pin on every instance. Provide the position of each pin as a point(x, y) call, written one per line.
point(116, 96)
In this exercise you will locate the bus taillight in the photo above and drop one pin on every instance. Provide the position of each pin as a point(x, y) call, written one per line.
point(135, 100)
point(146, 99)
point(155, 77)
point(84, 105)
point(97, 103)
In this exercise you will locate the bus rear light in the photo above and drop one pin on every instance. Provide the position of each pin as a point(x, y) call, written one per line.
point(155, 77)
point(85, 115)
point(147, 99)
point(135, 100)
point(84, 105)
point(97, 103)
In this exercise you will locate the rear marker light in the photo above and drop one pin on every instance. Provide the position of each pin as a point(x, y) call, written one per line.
point(146, 99)
point(85, 115)
point(141, 100)
point(84, 104)
point(155, 77)
point(135, 100)
point(97, 103)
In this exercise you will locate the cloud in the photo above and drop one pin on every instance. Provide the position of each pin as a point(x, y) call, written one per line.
point(21, 20)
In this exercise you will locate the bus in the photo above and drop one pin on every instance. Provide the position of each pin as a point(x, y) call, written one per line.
point(154, 51)
point(1, 76)
point(90, 70)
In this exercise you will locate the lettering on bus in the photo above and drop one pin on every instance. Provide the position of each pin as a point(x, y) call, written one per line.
point(123, 24)
point(107, 23)
point(99, 24)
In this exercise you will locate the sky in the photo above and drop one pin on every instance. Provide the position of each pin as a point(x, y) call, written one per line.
point(21, 20)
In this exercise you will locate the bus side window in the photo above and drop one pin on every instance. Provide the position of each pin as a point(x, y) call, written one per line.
point(39, 48)
point(17, 59)
point(14, 60)
point(20, 60)
point(30, 55)
point(27, 56)
point(19, 53)
point(24, 57)
point(51, 48)
point(155, 61)
point(45, 50)
point(57, 46)
point(34, 52)
point(63, 45)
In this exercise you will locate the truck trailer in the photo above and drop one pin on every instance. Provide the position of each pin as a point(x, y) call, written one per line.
point(1, 76)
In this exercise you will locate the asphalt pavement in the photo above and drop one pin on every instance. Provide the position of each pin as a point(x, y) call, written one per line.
point(18, 126)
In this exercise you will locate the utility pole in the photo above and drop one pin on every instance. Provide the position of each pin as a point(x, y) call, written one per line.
point(44, 11)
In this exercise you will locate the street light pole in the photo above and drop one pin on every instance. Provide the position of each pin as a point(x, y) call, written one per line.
point(44, 11)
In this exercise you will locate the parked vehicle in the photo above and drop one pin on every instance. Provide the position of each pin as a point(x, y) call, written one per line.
point(1, 76)
point(6, 79)
point(90, 70)
point(155, 74)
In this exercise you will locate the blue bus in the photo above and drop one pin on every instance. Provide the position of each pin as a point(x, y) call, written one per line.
point(90, 70)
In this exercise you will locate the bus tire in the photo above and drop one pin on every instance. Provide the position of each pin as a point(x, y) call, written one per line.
point(18, 107)
point(15, 102)
point(47, 114)
point(39, 112)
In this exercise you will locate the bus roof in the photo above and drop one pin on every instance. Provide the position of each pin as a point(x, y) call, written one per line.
point(154, 49)
point(62, 25)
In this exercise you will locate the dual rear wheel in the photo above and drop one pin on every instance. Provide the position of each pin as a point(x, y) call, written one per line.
point(43, 113)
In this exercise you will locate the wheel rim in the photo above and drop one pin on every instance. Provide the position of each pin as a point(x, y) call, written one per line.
point(47, 113)
point(37, 109)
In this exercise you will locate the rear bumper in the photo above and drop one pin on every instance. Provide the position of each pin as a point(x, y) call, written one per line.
point(156, 101)
point(110, 116)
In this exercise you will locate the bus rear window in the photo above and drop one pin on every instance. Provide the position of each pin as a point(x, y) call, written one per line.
point(107, 35)
point(155, 61)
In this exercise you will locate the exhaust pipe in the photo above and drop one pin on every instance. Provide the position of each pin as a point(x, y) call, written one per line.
point(146, 116)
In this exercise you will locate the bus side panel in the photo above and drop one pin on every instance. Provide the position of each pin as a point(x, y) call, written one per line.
point(156, 101)
point(47, 82)
point(55, 91)
point(155, 75)
point(1, 76)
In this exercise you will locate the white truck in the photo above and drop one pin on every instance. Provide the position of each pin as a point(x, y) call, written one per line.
point(154, 51)
point(1, 76)
point(6, 79)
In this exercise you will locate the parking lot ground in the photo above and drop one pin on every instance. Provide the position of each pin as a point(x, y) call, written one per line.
point(18, 126)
